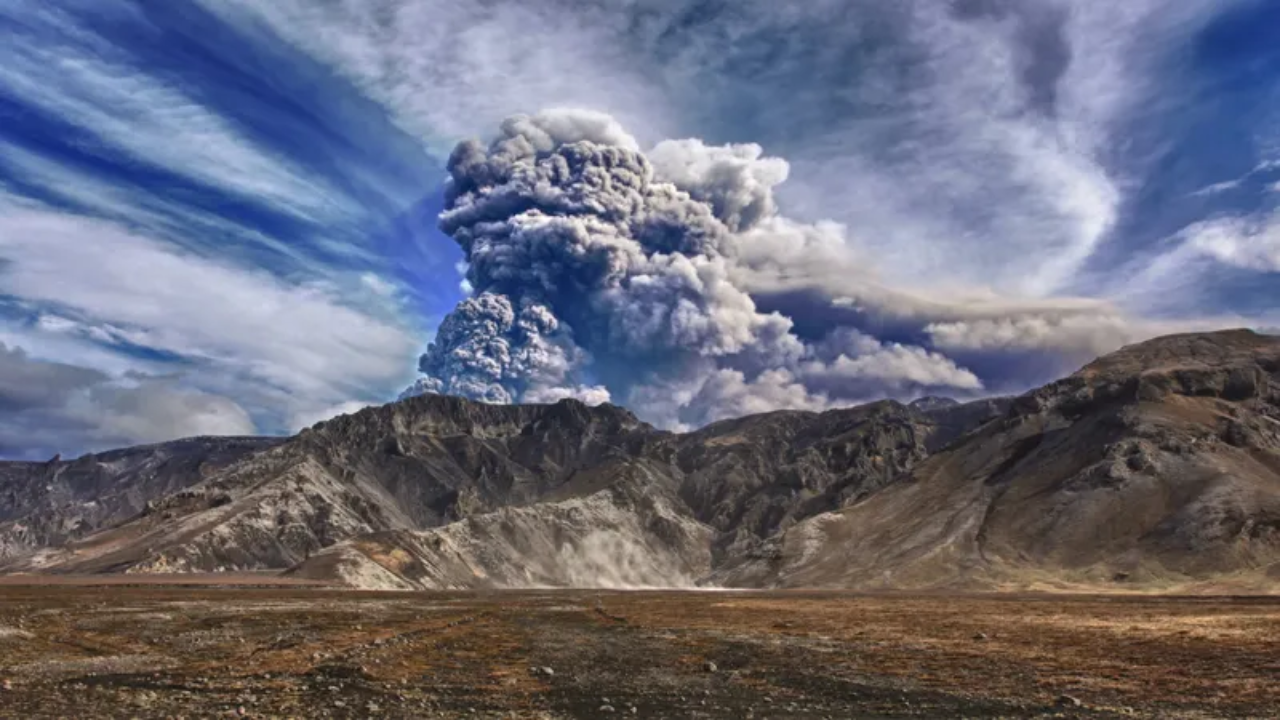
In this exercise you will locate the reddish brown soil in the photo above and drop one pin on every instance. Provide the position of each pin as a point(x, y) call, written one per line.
point(165, 651)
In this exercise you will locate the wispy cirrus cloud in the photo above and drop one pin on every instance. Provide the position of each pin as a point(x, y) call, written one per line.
point(444, 70)
point(57, 64)
point(187, 226)
point(81, 191)
point(1250, 242)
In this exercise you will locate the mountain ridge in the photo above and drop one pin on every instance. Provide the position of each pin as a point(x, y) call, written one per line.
point(1154, 464)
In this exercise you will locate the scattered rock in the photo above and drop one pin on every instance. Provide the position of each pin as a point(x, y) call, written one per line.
point(980, 636)
point(6, 684)
point(543, 671)
point(709, 666)
point(1068, 701)
point(606, 708)
point(241, 711)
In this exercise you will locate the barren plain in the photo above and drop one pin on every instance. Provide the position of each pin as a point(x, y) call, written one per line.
point(241, 647)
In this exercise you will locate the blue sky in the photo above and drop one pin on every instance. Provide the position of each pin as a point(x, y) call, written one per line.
point(218, 216)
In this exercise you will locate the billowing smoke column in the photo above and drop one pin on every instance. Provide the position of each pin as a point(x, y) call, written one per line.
point(602, 273)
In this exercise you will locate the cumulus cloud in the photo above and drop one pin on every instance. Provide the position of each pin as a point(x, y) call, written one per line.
point(602, 273)
point(50, 405)
point(856, 365)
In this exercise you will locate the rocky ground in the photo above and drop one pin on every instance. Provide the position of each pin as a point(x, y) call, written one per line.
point(147, 649)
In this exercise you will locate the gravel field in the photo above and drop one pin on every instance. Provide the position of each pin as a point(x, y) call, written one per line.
point(209, 650)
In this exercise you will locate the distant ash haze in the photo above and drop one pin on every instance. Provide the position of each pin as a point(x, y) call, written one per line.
point(669, 281)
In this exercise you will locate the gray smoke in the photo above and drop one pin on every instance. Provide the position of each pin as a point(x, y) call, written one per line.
point(488, 350)
point(602, 272)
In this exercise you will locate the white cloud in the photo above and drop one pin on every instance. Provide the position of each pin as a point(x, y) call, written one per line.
point(1252, 242)
point(1080, 337)
point(68, 71)
point(893, 366)
point(289, 347)
point(446, 69)
point(727, 393)
point(1088, 333)
point(184, 225)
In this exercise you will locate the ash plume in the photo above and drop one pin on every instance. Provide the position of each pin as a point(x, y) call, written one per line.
point(603, 272)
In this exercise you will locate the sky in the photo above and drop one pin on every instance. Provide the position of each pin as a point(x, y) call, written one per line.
point(242, 216)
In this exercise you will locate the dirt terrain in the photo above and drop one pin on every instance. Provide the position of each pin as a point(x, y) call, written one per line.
point(157, 650)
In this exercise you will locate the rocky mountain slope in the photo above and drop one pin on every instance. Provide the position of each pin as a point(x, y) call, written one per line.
point(46, 504)
point(426, 462)
point(1156, 465)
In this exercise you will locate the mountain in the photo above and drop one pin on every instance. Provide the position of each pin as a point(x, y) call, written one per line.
point(1151, 467)
point(426, 462)
point(50, 503)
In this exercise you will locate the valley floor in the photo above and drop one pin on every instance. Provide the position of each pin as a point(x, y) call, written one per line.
point(157, 650)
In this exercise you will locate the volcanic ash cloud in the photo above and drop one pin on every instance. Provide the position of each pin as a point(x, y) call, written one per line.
point(604, 273)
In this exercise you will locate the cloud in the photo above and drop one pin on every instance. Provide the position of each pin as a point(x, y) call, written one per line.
point(1093, 333)
point(185, 225)
point(676, 287)
point(442, 69)
point(866, 367)
point(62, 67)
point(1249, 242)
point(961, 162)
point(280, 348)
point(48, 407)
point(975, 140)
point(964, 183)
point(600, 273)
point(490, 350)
